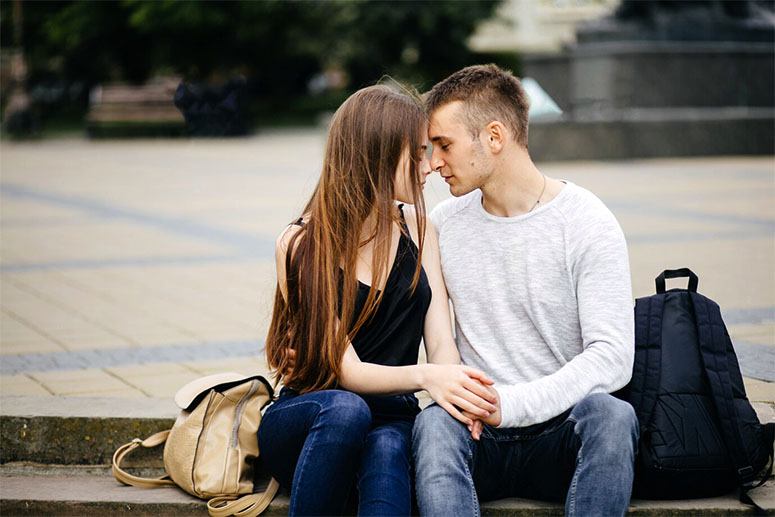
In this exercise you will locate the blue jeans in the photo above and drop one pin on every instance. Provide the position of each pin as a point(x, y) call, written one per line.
point(322, 443)
point(584, 457)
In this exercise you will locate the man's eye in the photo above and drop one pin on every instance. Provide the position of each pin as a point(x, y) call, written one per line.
point(444, 147)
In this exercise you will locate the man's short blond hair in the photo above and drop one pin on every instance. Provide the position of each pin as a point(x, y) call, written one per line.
point(488, 93)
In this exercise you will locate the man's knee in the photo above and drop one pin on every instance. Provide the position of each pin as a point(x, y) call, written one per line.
point(607, 409)
point(437, 434)
point(608, 421)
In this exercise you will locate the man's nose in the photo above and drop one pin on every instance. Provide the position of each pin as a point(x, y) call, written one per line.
point(436, 162)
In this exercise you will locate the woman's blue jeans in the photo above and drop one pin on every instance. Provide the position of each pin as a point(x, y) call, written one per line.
point(323, 443)
point(584, 457)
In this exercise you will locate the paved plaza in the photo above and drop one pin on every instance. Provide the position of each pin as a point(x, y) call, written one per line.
point(129, 268)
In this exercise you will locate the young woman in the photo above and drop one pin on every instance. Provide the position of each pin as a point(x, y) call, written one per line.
point(359, 286)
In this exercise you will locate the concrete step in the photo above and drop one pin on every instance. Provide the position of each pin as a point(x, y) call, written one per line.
point(27, 489)
point(87, 430)
point(65, 490)
point(56, 450)
point(80, 430)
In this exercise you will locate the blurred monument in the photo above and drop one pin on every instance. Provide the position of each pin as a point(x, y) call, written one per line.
point(662, 78)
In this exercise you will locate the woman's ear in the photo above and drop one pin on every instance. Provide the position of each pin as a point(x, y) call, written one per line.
point(495, 133)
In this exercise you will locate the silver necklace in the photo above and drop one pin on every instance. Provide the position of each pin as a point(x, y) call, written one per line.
point(543, 189)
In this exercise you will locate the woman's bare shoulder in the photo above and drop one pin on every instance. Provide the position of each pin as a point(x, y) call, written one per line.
point(287, 234)
point(410, 216)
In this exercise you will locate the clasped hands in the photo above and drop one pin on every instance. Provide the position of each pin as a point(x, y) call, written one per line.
point(465, 393)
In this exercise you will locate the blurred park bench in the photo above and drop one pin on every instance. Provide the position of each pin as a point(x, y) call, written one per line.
point(121, 110)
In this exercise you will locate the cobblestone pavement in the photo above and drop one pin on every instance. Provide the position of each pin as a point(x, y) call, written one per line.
point(129, 268)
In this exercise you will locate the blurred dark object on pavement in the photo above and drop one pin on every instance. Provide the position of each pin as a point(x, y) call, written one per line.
point(213, 110)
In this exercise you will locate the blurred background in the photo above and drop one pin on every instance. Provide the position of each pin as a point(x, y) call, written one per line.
point(151, 152)
point(287, 61)
point(633, 78)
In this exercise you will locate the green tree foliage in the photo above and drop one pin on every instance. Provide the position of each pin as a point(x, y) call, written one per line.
point(279, 42)
point(277, 45)
point(416, 40)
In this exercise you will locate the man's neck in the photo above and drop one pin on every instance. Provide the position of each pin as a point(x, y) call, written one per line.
point(515, 186)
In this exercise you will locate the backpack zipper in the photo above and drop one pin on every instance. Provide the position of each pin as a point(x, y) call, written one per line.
point(240, 410)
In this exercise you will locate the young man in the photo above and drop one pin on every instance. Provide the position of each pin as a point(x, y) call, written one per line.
point(538, 275)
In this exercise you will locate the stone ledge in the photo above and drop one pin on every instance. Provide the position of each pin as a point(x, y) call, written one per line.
point(98, 494)
point(649, 135)
point(86, 431)
point(88, 407)
point(71, 430)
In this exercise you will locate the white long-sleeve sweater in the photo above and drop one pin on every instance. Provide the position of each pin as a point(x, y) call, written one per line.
point(542, 301)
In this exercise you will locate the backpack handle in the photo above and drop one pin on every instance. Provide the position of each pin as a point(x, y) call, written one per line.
point(677, 273)
point(127, 478)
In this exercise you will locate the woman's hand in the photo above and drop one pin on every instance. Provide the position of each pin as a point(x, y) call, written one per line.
point(459, 389)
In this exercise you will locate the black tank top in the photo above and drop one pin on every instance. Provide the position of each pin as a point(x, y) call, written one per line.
point(392, 336)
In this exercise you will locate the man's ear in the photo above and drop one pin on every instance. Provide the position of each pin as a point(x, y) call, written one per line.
point(495, 134)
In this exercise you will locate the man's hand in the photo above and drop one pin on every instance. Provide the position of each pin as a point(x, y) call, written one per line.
point(476, 429)
point(493, 419)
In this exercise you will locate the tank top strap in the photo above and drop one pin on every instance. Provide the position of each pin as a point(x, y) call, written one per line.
point(404, 226)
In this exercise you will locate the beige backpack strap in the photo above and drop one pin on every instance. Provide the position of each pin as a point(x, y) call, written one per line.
point(127, 478)
point(249, 505)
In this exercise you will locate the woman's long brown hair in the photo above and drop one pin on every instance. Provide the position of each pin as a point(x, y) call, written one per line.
point(368, 134)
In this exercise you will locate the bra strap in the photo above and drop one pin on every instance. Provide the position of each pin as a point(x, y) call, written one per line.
point(403, 219)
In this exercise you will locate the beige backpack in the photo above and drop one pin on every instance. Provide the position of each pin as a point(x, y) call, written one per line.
point(212, 447)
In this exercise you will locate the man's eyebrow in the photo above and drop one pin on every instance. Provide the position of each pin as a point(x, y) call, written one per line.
point(438, 138)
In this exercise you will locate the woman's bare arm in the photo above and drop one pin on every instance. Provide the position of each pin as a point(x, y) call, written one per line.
point(453, 386)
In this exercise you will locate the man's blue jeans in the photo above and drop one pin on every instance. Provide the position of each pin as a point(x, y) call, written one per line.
point(584, 457)
point(319, 444)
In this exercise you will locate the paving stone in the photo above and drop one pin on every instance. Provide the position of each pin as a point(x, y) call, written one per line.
point(161, 385)
point(29, 346)
point(246, 365)
point(87, 381)
point(21, 385)
point(759, 391)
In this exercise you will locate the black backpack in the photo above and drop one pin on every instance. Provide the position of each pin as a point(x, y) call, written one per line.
point(699, 435)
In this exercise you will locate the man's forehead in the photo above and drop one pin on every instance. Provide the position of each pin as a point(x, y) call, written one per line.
point(445, 121)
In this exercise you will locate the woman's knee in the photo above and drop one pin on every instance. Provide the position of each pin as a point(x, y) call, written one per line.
point(388, 445)
point(345, 410)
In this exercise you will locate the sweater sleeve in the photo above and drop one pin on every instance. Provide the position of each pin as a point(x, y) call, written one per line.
point(598, 263)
